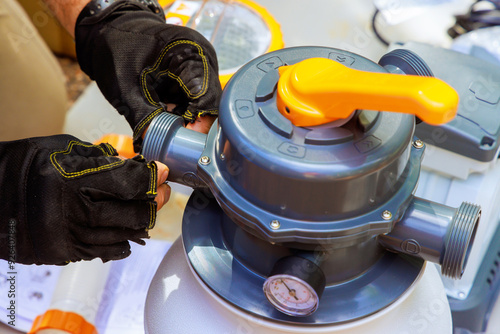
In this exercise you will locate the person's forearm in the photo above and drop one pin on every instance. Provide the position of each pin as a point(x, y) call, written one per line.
point(67, 11)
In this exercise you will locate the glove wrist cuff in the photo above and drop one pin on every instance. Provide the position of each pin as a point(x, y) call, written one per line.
point(95, 7)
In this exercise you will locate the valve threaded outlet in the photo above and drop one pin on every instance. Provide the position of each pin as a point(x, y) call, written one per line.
point(168, 141)
point(460, 239)
point(160, 127)
point(408, 61)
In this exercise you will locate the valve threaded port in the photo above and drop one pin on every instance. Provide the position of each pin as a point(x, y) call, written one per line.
point(156, 136)
point(460, 239)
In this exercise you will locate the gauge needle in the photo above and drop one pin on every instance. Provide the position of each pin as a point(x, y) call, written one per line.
point(290, 291)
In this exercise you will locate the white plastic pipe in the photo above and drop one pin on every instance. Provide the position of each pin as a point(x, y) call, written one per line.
point(79, 290)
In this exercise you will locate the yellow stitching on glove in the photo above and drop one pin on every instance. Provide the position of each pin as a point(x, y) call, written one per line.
point(146, 120)
point(111, 149)
point(72, 143)
point(184, 87)
point(152, 216)
point(189, 117)
point(152, 178)
point(213, 112)
point(158, 62)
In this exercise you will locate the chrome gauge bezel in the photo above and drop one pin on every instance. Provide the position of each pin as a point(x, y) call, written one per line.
point(288, 309)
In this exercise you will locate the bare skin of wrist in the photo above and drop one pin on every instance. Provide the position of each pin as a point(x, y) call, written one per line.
point(66, 12)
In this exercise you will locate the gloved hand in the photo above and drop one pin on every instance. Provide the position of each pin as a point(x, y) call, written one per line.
point(65, 200)
point(140, 63)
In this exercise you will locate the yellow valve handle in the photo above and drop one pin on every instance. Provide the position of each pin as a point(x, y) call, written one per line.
point(316, 91)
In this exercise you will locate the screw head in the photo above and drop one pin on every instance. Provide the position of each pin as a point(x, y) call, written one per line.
point(222, 156)
point(387, 215)
point(275, 224)
point(204, 160)
point(418, 143)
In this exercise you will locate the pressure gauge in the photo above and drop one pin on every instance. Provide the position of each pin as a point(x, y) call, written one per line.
point(291, 295)
point(295, 286)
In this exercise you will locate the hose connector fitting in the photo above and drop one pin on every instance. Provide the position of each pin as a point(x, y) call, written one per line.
point(168, 141)
point(436, 233)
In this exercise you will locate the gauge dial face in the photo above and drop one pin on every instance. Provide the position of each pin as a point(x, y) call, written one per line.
point(291, 295)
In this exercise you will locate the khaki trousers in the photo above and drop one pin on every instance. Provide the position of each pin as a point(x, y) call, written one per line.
point(33, 100)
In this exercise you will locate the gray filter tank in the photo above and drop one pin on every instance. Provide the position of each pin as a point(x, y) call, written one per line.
point(325, 213)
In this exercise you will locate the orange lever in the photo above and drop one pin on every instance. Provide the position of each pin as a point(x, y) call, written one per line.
point(318, 90)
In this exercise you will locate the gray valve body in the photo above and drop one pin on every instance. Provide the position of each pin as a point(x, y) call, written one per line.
point(331, 195)
point(318, 180)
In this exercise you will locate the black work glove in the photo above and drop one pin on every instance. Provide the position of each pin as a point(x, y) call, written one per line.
point(65, 200)
point(139, 63)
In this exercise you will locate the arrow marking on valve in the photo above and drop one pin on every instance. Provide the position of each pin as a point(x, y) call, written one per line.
point(270, 64)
